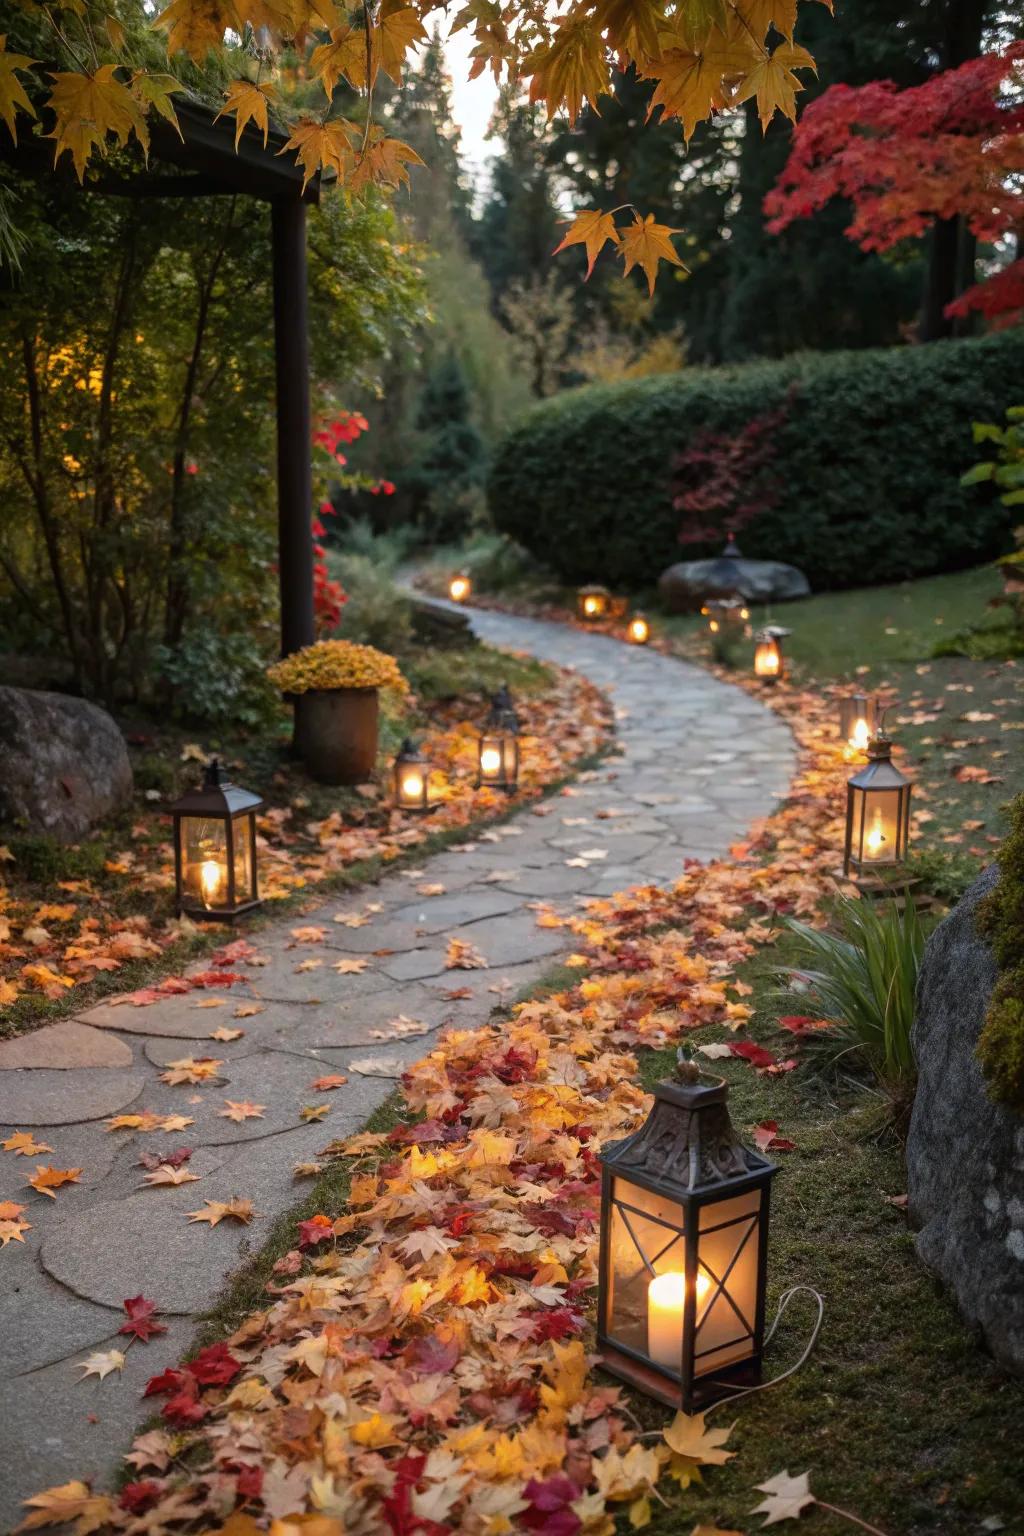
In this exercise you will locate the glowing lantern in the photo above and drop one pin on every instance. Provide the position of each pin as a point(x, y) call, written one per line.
point(639, 630)
point(411, 779)
point(593, 603)
point(683, 1257)
point(727, 623)
point(460, 587)
point(877, 812)
point(858, 720)
point(769, 662)
point(215, 848)
point(498, 745)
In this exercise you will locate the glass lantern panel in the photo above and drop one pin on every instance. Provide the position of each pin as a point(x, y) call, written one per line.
point(727, 1258)
point(499, 756)
point(204, 860)
point(767, 659)
point(242, 831)
point(645, 1245)
point(876, 826)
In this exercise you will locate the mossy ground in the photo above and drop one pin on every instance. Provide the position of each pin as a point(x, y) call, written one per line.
point(899, 1415)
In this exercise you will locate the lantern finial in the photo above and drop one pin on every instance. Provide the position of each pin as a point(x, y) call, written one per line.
point(214, 776)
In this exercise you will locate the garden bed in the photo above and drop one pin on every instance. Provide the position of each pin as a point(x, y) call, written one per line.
point(80, 922)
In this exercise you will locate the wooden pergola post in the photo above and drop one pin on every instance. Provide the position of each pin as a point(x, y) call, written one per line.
point(294, 424)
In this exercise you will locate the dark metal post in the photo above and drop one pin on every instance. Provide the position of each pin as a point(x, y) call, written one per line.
point(294, 426)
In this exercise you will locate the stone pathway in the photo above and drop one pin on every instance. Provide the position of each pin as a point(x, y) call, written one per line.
point(699, 762)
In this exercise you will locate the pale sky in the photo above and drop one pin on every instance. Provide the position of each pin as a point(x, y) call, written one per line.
point(473, 102)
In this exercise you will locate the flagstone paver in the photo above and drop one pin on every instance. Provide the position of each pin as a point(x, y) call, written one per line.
point(698, 762)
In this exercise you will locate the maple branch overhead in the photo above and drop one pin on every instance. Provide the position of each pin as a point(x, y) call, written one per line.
point(703, 56)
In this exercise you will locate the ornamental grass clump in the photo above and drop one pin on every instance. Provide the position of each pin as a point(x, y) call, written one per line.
point(863, 981)
point(337, 664)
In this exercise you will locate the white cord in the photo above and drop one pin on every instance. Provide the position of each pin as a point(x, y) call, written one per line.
point(784, 1301)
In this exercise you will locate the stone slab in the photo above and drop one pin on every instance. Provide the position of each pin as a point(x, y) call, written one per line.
point(51, 1097)
point(64, 1046)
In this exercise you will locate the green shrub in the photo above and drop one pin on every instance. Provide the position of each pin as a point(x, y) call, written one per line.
point(376, 611)
point(1001, 920)
point(863, 978)
point(870, 457)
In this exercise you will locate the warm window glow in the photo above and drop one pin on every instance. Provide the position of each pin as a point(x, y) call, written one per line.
point(666, 1306)
point(459, 589)
point(490, 760)
point(211, 876)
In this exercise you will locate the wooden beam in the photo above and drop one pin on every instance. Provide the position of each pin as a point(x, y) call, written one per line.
point(294, 424)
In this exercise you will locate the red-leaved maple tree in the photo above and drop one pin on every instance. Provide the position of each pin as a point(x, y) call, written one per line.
point(953, 147)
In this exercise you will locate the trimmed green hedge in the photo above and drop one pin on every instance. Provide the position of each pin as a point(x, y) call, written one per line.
point(870, 456)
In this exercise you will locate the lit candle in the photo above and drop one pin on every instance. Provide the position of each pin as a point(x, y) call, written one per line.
point(591, 605)
point(412, 786)
point(458, 588)
point(860, 735)
point(666, 1306)
point(490, 760)
point(210, 875)
point(713, 626)
point(639, 630)
point(876, 838)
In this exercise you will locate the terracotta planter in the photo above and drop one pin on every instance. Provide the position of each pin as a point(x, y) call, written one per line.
point(336, 733)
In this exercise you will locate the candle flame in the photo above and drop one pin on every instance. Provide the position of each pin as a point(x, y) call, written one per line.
point(210, 876)
point(860, 735)
point(638, 631)
point(876, 838)
point(412, 786)
point(490, 760)
point(713, 626)
point(458, 588)
point(591, 605)
point(766, 661)
point(669, 1290)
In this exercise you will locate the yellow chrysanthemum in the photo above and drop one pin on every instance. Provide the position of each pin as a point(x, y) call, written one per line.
point(337, 664)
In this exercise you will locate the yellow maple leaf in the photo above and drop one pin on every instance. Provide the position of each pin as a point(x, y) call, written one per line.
point(376, 1431)
point(694, 82)
point(774, 85)
point(87, 108)
point(70, 1501)
point(12, 1231)
point(592, 229)
point(24, 1144)
point(645, 243)
point(344, 55)
point(220, 1210)
point(573, 68)
point(759, 15)
point(399, 29)
point(155, 92)
point(687, 1436)
point(46, 1180)
point(12, 101)
point(196, 26)
point(382, 163)
point(322, 146)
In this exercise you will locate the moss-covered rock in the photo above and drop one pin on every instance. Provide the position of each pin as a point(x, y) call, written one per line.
point(1001, 921)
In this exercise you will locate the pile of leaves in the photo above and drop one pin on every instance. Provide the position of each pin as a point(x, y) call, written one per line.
point(422, 1363)
point(95, 926)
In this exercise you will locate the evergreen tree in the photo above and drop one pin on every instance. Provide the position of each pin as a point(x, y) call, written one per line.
point(448, 471)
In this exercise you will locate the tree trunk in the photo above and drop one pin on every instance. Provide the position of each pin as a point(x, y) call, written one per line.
point(951, 249)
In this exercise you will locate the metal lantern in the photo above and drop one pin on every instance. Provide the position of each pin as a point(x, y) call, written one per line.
point(639, 630)
point(215, 848)
point(497, 757)
point(727, 623)
point(593, 603)
point(769, 662)
point(411, 779)
point(683, 1257)
point(877, 812)
point(858, 720)
point(460, 587)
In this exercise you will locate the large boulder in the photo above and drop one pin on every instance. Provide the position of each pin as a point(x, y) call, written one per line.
point(685, 586)
point(965, 1154)
point(63, 763)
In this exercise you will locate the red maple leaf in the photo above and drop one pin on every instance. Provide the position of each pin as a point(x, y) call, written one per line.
point(214, 1366)
point(141, 1321)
